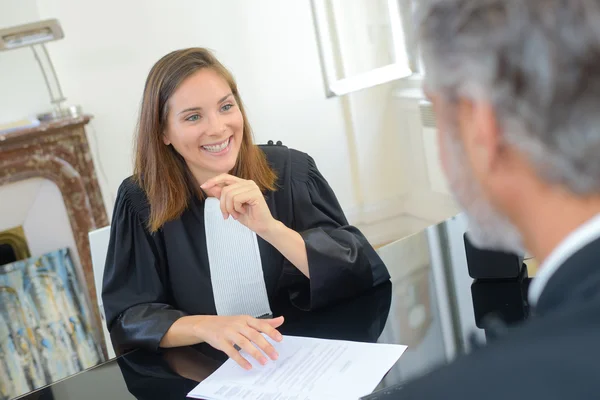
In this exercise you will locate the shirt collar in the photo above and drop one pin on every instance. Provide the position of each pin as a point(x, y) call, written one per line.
point(576, 240)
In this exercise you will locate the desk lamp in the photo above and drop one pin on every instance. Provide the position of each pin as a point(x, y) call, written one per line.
point(35, 35)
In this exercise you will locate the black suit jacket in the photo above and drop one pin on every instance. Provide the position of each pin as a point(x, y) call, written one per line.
point(553, 355)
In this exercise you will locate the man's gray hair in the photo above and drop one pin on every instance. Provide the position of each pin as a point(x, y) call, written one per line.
point(538, 63)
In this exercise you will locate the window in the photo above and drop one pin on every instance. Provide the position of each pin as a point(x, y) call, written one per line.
point(364, 43)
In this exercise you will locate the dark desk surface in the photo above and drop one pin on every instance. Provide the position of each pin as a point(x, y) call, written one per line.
point(428, 306)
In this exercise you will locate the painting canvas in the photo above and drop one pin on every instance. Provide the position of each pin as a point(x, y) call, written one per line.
point(45, 324)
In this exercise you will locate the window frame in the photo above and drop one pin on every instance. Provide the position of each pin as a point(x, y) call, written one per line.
point(406, 55)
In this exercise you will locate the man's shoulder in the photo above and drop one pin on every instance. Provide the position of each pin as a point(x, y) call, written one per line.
point(550, 357)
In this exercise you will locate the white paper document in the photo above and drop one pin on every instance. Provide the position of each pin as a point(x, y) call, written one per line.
point(307, 369)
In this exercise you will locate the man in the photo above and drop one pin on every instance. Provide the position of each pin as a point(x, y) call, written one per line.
point(515, 86)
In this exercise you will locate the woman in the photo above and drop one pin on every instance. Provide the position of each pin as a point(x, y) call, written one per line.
point(195, 151)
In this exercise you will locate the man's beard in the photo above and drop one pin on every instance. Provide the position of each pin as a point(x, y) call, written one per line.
point(488, 229)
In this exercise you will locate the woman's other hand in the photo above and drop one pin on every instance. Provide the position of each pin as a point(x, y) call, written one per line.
point(225, 332)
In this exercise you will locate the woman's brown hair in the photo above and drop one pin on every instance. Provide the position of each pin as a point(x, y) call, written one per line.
point(159, 169)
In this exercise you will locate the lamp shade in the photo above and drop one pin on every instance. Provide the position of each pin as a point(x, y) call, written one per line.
point(30, 34)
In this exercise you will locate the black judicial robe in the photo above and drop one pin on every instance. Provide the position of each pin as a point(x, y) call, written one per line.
point(152, 279)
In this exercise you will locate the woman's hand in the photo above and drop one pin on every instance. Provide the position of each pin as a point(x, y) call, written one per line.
point(224, 332)
point(243, 200)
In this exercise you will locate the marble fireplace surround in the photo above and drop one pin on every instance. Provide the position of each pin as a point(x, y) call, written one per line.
point(59, 151)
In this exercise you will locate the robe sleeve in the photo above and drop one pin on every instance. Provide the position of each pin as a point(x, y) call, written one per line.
point(341, 261)
point(136, 304)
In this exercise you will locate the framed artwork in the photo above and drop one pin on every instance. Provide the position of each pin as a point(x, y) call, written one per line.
point(46, 330)
point(363, 43)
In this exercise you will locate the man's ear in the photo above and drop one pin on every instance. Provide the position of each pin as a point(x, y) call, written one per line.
point(480, 133)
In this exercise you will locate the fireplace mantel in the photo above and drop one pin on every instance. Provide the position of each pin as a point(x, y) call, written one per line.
point(59, 151)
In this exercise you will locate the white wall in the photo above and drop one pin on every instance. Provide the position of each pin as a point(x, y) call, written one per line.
point(22, 89)
point(438, 182)
point(426, 196)
point(269, 45)
point(386, 122)
point(37, 205)
point(16, 200)
point(47, 227)
point(358, 141)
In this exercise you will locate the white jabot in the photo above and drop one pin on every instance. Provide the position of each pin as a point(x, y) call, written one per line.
point(235, 265)
point(575, 241)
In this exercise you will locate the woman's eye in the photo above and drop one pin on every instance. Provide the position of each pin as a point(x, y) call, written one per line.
point(226, 107)
point(193, 118)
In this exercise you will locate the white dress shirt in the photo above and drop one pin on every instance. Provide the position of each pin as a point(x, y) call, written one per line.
point(236, 271)
point(575, 241)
